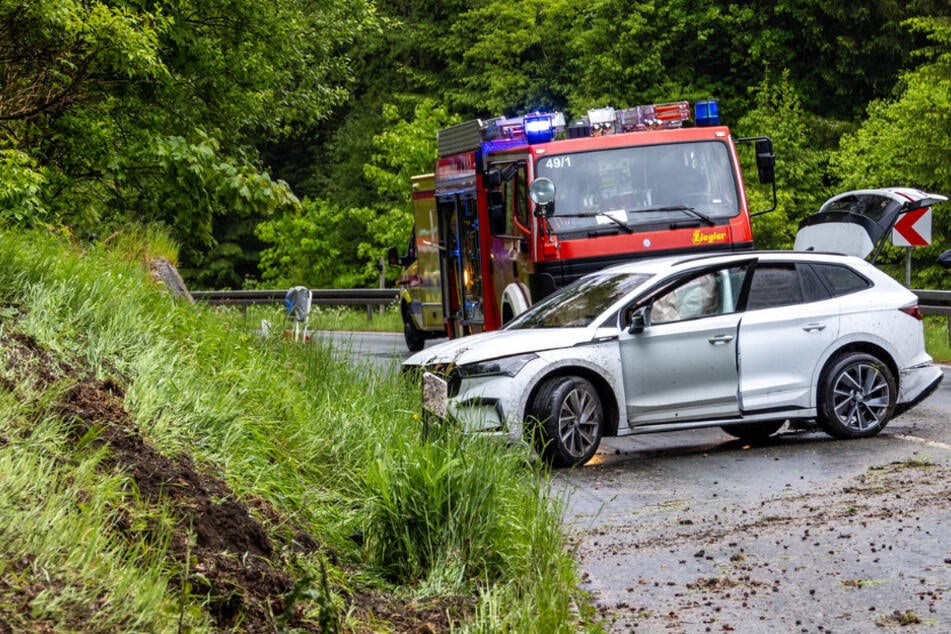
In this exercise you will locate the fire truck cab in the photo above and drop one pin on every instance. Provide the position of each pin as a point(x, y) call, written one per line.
point(518, 207)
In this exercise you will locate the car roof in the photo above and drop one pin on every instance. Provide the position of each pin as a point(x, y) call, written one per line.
point(654, 266)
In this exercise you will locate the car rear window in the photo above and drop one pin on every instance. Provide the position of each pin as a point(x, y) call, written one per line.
point(841, 280)
point(783, 284)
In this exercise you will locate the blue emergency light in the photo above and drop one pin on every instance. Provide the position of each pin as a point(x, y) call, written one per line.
point(707, 113)
point(539, 128)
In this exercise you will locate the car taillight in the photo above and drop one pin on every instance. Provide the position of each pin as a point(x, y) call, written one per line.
point(912, 310)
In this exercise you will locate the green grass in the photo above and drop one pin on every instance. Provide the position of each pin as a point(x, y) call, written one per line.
point(332, 446)
point(377, 319)
point(936, 338)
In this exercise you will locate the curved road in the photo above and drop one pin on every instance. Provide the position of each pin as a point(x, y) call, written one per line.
point(696, 532)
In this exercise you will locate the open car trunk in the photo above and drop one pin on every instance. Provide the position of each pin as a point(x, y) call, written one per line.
point(857, 222)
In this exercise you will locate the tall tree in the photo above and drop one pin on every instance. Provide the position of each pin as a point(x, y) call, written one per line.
point(326, 244)
point(801, 160)
point(154, 110)
point(906, 140)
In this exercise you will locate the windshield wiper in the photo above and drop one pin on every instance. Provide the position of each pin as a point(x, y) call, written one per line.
point(599, 214)
point(689, 210)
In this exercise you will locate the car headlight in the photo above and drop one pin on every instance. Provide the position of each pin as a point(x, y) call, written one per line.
point(508, 366)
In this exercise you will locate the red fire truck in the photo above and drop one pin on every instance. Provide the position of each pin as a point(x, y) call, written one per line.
point(518, 207)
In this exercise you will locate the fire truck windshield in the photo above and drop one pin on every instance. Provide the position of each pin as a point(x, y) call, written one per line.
point(640, 186)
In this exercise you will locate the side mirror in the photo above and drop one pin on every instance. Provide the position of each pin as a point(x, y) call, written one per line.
point(765, 161)
point(542, 192)
point(945, 259)
point(638, 321)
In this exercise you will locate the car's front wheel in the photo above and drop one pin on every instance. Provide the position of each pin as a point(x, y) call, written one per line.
point(567, 419)
point(856, 396)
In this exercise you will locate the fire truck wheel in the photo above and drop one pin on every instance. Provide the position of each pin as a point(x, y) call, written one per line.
point(414, 338)
point(566, 418)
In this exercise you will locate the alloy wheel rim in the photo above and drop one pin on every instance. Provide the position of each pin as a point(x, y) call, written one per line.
point(578, 422)
point(860, 397)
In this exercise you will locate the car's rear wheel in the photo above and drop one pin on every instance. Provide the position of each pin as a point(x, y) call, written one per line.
point(567, 419)
point(753, 432)
point(856, 396)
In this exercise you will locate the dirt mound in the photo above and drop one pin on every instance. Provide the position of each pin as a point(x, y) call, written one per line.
point(227, 547)
point(222, 549)
point(224, 552)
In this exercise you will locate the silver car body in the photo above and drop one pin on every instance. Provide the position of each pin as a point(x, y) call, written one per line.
point(738, 367)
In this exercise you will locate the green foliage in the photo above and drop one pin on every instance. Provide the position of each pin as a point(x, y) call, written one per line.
point(309, 246)
point(211, 116)
point(800, 162)
point(322, 444)
point(326, 246)
point(155, 111)
point(938, 337)
point(905, 142)
point(403, 150)
point(20, 189)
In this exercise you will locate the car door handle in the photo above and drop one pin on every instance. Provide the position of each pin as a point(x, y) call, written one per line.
point(814, 327)
point(720, 339)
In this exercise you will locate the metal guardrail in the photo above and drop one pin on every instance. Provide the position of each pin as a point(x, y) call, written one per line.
point(934, 302)
point(931, 302)
point(338, 297)
point(368, 297)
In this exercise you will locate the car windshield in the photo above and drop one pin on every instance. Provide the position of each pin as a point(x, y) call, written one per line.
point(578, 305)
point(640, 187)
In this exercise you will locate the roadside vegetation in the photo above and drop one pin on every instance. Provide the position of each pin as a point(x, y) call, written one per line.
point(164, 469)
point(379, 319)
point(938, 338)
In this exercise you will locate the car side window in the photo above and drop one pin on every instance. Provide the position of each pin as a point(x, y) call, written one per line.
point(774, 285)
point(840, 280)
point(784, 284)
point(710, 293)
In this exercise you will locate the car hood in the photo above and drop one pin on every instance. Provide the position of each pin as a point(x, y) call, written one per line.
point(501, 343)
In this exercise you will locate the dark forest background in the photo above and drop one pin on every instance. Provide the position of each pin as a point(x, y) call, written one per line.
point(274, 141)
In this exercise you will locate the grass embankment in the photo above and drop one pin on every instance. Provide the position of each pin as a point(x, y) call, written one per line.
point(163, 469)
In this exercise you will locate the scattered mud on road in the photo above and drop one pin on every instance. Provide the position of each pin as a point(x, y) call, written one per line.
point(871, 552)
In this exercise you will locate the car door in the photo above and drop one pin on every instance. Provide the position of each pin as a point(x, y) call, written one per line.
point(789, 323)
point(683, 366)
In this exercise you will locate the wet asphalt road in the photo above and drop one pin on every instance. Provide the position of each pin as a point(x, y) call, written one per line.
point(696, 532)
